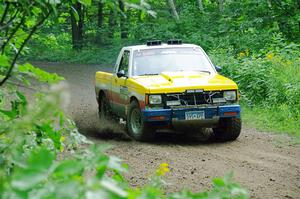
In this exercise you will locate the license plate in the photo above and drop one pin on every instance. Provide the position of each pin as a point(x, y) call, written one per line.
point(194, 115)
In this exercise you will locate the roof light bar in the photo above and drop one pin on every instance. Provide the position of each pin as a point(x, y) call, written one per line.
point(154, 43)
point(174, 42)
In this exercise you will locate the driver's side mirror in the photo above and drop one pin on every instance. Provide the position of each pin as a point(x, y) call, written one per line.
point(121, 73)
point(218, 69)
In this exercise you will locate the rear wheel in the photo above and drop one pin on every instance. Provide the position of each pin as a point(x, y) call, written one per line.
point(104, 108)
point(228, 129)
point(136, 127)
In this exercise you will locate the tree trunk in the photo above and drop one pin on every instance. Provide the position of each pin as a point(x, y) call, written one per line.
point(200, 5)
point(112, 23)
point(100, 14)
point(77, 27)
point(173, 9)
point(123, 25)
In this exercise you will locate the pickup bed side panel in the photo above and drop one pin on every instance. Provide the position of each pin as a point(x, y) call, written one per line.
point(103, 82)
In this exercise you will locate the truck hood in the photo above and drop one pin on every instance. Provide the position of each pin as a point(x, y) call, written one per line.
point(176, 82)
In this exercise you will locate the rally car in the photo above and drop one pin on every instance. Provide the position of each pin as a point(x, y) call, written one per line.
point(163, 85)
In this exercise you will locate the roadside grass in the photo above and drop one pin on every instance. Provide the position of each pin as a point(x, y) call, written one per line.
point(270, 120)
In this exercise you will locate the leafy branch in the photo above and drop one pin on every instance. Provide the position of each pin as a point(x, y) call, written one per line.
point(34, 29)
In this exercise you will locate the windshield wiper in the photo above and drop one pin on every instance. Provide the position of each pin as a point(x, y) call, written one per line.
point(148, 74)
point(203, 71)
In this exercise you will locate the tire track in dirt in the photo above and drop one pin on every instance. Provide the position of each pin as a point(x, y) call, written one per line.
point(268, 165)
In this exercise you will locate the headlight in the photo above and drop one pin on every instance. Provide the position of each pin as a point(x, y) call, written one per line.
point(155, 99)
point(230, 95)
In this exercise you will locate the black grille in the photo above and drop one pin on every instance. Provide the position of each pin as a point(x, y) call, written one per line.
point(194, 98)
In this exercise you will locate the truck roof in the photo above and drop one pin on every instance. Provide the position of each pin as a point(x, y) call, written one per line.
point(163, 45)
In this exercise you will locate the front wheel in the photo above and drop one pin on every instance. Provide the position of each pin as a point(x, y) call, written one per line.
point(229, 129)
point(136, 127)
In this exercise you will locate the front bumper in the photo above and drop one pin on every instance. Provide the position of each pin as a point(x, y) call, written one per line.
point(166, 117)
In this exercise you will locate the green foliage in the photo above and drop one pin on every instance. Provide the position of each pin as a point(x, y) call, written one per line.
point(269, 82)
point(17, 106)
point(42, 76)
point(19, 20)
point(241, 25)
point(87, 55)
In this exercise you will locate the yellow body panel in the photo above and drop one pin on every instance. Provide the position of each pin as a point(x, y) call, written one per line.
point(103, 77)
point(178, 82)
point(167, 82)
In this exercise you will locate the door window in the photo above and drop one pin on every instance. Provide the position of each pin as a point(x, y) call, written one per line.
point(124, 63)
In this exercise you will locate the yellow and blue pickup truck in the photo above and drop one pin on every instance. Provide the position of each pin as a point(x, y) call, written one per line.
point(163, 85)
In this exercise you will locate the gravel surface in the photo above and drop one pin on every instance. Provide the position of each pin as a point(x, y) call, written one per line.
point(268, 165)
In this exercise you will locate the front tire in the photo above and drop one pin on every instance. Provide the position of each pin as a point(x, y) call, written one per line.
point(229, 129)
point(136, 127)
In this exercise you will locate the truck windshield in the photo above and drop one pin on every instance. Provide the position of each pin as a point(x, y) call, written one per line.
point(156, 61)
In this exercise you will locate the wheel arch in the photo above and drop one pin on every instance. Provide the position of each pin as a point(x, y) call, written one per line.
point(133, 98)
point(140, 102)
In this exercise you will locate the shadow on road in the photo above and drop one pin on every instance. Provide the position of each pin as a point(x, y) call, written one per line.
point(106, 134)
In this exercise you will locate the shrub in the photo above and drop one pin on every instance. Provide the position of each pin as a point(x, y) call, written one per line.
point(268, 80)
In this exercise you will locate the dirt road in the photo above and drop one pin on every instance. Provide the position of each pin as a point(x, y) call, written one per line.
point(268, 165)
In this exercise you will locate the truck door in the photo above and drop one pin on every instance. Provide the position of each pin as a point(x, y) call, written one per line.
point(119, 87)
